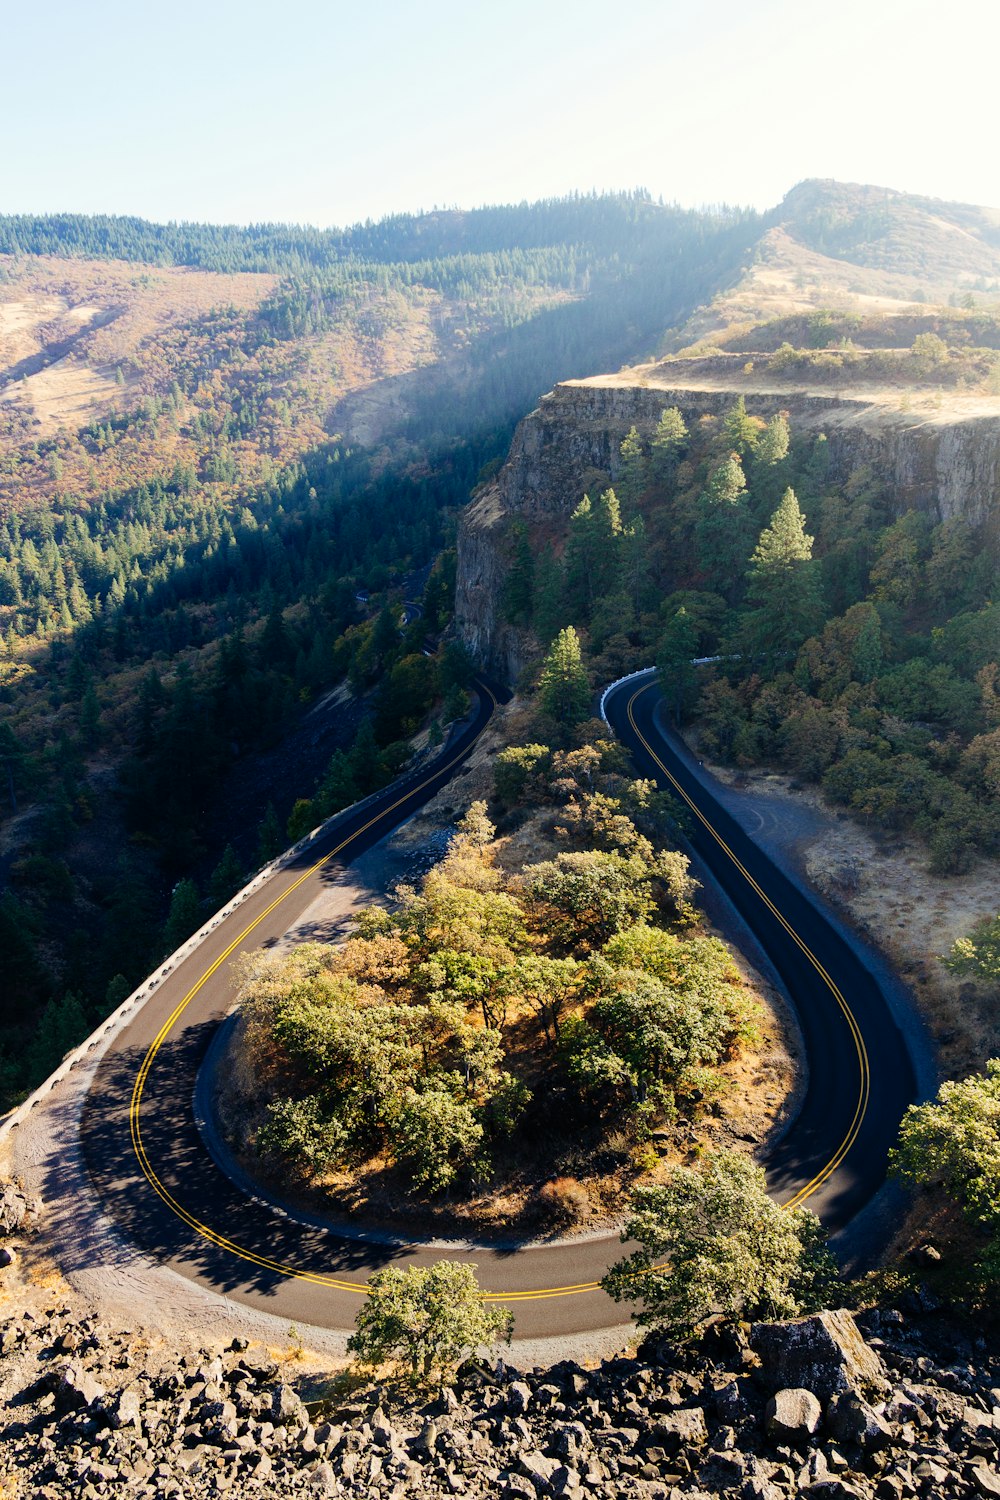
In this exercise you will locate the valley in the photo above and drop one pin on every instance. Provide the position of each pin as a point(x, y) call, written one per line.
point(348, 531)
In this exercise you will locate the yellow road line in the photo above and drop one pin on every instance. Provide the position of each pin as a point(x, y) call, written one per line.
point(864, 1089)
point(359, 1287)
point(149, 1172)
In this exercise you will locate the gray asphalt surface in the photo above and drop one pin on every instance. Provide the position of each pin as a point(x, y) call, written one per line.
point(155, 1177)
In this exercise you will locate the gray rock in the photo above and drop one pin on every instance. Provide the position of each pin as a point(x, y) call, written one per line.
point(722, 1472)
point(426, 1440)
point(8, 1256)
point(538, 1468)
point(985, 1479)
point(834, 1489)
point(731, 1405)
point(125, 1410)
point(516, 1487)
point(565, 1481)
point(13, 1208)
point(321, 1479)
point(519, 1396)
point(760, 1489)
point(793, 1415)
point(680, 1428)
point(287, 1409)
point(259, 1364)
point(824, 1354)
point(851, 1421)
point(571, 1441)
point(77, 1388)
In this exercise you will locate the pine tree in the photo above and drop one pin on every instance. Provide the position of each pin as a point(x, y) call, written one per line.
point(549, 591)
point(563, 689)
point(866, 658)
point(518, 598)
point(633, 472)
point(783, 584)
point(364, 758)
point(581, 560)
point(741, 432)
point(723, 529)
point(301, 820)
point(727, 482)
point(184, 916)
point(339, 787)
point(117, 992)
point(269, 840)
point(275, 647)
point(678, 678)
point(226, 878)
point(62, 1027)
point(593, 553)
point(78, 678)
point(772, 446)
point(385, 638)
point(668, 439)
point(90, 718)
point(769, 469)
point(636, 570)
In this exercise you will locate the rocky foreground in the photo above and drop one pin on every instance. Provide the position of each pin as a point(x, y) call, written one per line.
point(837, 1407)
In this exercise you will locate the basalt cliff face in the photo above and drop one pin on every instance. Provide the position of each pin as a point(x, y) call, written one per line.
point(939, 453)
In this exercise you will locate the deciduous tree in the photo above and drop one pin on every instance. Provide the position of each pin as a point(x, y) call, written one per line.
point(714, 1242)
point(426, 1319)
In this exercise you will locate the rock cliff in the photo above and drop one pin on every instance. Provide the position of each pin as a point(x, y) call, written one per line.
point(939, 452)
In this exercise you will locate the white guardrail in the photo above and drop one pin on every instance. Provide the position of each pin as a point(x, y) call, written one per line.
point(109, 1027)
point(696, 661)
point(619, 682)
point(105, 1032)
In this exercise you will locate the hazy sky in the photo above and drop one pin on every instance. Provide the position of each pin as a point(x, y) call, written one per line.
point(332, 112)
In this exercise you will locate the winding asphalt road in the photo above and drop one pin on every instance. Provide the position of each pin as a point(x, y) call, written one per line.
point(155, 1177)
point(861, 1077)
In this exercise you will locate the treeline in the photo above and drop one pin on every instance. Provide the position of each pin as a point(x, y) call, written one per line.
point(306, 305)
point(604, 220)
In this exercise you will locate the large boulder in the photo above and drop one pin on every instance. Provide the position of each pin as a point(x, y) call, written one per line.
point(680, 1429)
point(125, 1409)
point(834, 1489)
point(287, 1408)
point(824, 1354)
point(793, 1416)
point(853, 1423)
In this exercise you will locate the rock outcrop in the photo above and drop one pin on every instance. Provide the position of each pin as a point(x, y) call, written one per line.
point(672, 1423)
point(942, 458)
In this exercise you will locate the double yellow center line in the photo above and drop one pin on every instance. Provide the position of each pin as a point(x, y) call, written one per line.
point(339, 1283)
point(864, 1074)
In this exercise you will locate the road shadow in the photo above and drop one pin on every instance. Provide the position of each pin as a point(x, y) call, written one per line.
point(180, 1208)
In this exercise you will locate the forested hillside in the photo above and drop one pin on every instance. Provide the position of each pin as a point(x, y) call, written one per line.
point(850, 639)
point(212, 441)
